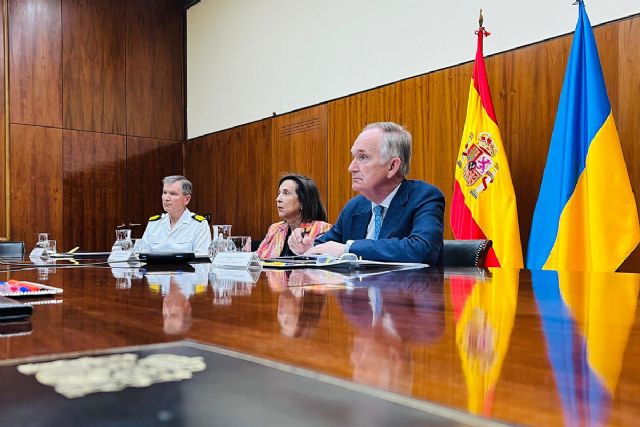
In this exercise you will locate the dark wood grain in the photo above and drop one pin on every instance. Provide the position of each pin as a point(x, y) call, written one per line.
point(494, 361)
point(148, 161)
point(431, 107)
point(627, 110)
point(4, 170)
point(35, 52)
point(154, 69)
point(93, 65)
point(232, 176)
point(300, 146)
point(94, 188)
point(36, 183)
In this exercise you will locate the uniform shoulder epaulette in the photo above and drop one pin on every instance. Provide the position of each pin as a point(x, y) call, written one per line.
point(198, 218)
point(155, 218)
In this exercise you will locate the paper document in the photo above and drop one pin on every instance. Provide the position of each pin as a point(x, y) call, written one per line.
point(344, 262)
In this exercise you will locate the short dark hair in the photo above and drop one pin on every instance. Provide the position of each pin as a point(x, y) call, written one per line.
point(308, 195)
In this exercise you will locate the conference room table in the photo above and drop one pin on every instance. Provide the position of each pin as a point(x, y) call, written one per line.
point(463, 345)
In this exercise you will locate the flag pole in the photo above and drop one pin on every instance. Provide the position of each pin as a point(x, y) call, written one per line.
point(481, 31)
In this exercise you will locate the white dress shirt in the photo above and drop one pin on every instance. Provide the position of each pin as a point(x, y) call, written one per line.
point(385, 207)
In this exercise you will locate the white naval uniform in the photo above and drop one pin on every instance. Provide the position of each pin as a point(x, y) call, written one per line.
point(188, 235)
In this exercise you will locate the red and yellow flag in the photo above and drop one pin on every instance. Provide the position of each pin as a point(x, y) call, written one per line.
point(484, 314)
point(484, 203)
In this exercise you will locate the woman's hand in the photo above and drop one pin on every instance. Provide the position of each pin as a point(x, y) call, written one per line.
point(299, 241)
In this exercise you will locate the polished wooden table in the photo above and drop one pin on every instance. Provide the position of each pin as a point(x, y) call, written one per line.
point(532, 348)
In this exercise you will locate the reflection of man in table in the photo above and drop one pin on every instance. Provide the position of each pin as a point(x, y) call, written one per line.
point(178, 229)
point(393, 311)
point(177, 289)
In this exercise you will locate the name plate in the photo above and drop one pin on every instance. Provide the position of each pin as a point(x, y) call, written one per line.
point(36, 253)
point(121, 256)
point(237, 260)
point(234, 275)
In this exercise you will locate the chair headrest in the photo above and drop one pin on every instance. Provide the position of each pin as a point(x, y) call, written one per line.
point(466, 253)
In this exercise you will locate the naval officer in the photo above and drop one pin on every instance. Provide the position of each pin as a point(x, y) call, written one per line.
point(178, 229)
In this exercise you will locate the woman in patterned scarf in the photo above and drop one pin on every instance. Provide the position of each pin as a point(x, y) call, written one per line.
point(299, 205)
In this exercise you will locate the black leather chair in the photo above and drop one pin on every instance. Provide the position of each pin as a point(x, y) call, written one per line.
point(11, 249)
point(466, 253)
point(255, 244)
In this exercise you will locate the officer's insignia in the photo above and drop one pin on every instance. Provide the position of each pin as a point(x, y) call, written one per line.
point(477, 162)
point(198, 218)
point(155, 217)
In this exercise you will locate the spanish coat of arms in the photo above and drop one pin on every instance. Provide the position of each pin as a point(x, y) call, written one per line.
point(477, 162)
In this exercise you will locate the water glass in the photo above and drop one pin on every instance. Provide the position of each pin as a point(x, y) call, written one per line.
point(43, 240)
point(242, 243)
point(221, 231)
point(52, 247)
point(123, 240)
point(220, 245)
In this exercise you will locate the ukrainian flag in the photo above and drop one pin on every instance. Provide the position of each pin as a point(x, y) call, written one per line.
point(586, 217)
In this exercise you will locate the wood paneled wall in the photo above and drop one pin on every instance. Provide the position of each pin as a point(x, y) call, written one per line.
point(4, 146)
point(232, 175)
point(155, 101)
point(148, 161)
point(94, 185)
point(525, 85)
point(36, 186)
point(96, 108)
point(93, 59)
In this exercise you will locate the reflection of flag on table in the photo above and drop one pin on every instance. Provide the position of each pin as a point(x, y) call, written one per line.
point(586, 318)
point(586, 217)
point(484, 314)
point(484, 204)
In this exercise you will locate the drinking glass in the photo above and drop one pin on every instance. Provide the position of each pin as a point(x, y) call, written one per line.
point(52, 247)
point(123, 240)
point(43, 240)
point(220, 245)
point(242, 243)
point(221, 231)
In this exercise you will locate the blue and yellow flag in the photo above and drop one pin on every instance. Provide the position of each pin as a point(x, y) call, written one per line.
point(586, 217)
point(586, 318)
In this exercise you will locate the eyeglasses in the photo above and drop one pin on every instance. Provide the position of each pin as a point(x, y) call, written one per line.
point(326, 259)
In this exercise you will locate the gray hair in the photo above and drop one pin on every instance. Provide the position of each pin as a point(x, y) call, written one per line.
point(396, 142)
point(186, 184)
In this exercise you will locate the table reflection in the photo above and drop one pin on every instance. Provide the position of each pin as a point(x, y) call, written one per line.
point(390, 312)
point(484, 313)
point(539, 348)
point(586, 319)
point(177, 290)
point(299, 307)
point(229, 283)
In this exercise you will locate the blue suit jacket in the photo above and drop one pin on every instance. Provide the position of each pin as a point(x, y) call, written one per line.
point(412, 229)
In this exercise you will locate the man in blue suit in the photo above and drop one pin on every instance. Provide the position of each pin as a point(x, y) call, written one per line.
point(393, 219)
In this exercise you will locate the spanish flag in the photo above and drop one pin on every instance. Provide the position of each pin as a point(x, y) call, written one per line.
point(484, 203)
point(586, 217)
